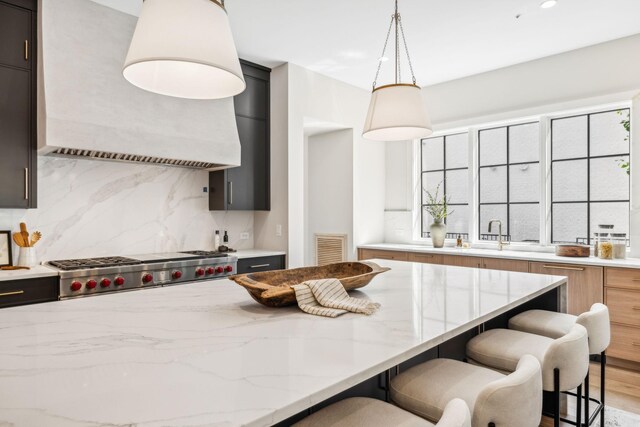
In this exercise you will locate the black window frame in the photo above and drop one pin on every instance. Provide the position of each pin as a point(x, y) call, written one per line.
point(483, 237)
point(425, 233)
point(588, 158)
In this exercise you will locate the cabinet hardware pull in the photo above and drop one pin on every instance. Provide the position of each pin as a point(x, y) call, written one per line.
point(557, 267)
point(260, 265)
point(6, 294)
point(26, 50)
point(230, 192)
point(26, 183)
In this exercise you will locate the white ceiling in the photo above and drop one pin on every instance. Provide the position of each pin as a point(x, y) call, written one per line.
point(448, 39)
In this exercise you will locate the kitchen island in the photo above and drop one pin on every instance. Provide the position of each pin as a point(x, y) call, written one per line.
point(206, 354)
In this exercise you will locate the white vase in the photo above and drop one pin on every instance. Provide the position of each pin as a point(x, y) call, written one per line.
point(438, 233)
point(27, 257)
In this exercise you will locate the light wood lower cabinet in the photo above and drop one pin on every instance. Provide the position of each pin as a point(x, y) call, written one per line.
point(506, 264)
point(364, 254)
point(584, 287)
point(622, 296)
point(425, 258)
point(462, 261)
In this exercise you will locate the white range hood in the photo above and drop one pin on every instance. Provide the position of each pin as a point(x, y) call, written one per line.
point(87, 108)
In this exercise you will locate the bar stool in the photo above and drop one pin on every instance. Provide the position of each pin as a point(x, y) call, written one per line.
point(494, 399)
point(367, 412)
point(564, 361)
point(554, 325)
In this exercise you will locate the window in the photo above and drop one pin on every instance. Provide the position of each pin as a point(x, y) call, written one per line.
point(590, 179)
point(445, 162)
point(509, 181)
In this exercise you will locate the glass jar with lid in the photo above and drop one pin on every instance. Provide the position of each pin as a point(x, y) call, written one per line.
point(605, 246)
point(619, 242)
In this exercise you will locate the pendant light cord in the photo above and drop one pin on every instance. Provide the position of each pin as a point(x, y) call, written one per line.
point(399, 33)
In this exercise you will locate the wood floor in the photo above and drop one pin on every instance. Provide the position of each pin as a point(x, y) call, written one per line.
point(622, 386)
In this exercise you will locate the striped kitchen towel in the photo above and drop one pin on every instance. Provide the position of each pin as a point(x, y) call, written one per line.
point(327, 297)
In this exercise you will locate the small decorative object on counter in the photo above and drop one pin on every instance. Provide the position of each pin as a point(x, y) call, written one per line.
point(459, 241)
point(605, 246)
point(216, 239)
point(26, 242)
point(225, 239)
point(573, 250)
point(619, 241)
point(596, 242)
point(437, 207)
point(6, 258)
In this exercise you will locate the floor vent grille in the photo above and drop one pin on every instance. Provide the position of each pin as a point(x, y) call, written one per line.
point(331, 248)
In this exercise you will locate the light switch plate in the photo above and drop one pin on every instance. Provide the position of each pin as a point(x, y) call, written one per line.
point(244, 236)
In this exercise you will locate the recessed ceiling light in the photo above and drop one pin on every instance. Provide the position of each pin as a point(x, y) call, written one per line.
point(546, 4)
point(383, 59)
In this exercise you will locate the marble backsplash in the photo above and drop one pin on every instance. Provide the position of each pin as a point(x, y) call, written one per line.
point(90, 208)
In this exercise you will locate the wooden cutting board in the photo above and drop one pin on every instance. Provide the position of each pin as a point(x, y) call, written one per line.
point(572, 250)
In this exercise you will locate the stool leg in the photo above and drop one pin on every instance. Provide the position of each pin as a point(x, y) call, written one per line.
point(586, 400)
point(556, 397)
point(603, 362)
point(579, 406)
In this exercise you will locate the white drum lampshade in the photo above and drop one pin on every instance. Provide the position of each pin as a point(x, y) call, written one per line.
point(184, 49)
point(397, 112)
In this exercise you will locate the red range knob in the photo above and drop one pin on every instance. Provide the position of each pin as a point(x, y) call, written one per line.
point(119, 281)
point(228, 269)
point(147, 278)
point(177, 274)
point(200, 272)
point(105, 283)
point(91, 284)
point(211, 270)
point(76, 286)
point(219, 270)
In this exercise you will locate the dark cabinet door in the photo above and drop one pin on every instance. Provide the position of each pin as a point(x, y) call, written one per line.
point(15, 36)
point(247, 186)
point(15, 137)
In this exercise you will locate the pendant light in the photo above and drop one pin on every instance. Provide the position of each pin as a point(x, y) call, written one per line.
point(184, 49)
point(397, 111)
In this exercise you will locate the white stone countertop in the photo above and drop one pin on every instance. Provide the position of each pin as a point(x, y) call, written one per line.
point(34, 273)
point(506, 253)
point(206, 354)
point(256, 253)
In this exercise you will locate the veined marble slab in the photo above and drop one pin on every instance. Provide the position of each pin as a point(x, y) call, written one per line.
point(33, 273)
point(207, 354)
point(256, 253)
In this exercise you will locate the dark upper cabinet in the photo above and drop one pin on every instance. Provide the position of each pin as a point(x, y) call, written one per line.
point(18, 144)
point(247, 187)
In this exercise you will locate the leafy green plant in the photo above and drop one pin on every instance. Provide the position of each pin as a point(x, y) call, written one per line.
point(436, 206)
point(626, 123)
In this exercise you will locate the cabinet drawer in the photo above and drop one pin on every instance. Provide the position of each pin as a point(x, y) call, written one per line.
point(623, 278)
point(625, 343)
point(266, 263)
point(29, 291)
point(462, 261)
point(426, 258)
point(381, 254)
point(624, 306)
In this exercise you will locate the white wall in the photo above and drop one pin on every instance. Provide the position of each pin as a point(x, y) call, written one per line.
point(593, 76)
point(329, 188)
point(319, 97)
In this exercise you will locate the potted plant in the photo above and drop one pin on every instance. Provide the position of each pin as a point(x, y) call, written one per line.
point(438, 208)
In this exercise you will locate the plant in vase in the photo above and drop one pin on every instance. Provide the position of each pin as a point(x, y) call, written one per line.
point(438, 208)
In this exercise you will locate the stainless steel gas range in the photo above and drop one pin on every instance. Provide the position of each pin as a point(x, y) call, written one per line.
point(96, 276)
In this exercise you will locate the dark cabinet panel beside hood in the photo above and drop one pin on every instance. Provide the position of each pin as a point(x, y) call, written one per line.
point(18, 143)
point(247, 187)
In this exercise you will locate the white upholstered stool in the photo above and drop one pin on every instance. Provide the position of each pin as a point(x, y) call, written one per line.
point(564, 361)
point(554, 325)
point(367, 412)
point(493, 398)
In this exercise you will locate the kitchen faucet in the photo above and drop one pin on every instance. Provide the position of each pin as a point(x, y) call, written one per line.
point(501, 243)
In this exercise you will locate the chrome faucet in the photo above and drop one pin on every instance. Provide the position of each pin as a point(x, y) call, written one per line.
point(501, 243)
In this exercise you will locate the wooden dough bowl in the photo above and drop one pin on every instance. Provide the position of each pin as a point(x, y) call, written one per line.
point(273, 288)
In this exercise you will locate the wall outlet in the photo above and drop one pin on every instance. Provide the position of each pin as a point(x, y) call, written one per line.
point(244, 236)
point(279, 230)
